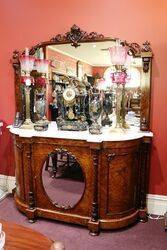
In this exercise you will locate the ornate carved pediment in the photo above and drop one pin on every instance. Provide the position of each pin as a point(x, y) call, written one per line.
point(76, 35)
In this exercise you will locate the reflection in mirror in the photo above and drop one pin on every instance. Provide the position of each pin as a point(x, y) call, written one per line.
point(63, 179)
point(90, 65)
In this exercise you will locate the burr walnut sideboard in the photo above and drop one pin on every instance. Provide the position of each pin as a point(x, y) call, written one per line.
point(115, 170)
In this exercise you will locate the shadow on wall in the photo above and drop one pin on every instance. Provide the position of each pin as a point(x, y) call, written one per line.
point(155, 167)
point(6, 152)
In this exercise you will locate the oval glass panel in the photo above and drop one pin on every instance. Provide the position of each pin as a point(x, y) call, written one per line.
point(63, 179)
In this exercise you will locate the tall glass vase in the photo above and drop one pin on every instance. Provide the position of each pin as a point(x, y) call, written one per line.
point(95, 109)
point(40, 105)
point(107, 108)
point(40, 110)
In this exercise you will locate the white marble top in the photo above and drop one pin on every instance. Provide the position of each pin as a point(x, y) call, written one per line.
point(108, 134)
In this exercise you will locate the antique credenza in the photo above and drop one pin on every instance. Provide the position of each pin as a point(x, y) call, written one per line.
point(115, 169)
point(115, 166)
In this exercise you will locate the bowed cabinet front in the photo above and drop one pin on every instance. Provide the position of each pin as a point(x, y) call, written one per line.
point(114, 183)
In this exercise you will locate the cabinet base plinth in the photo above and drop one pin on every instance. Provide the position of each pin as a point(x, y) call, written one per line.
point(31, 214)
point(93, 227)
point(111, 171)
point(143, 215)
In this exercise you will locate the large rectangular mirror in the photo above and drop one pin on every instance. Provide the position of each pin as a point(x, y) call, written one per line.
point(84, 60)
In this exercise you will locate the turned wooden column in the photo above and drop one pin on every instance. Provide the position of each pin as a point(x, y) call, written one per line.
point(93, 224)
point(144, 178)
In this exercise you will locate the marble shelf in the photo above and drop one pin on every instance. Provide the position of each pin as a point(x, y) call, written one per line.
point(108, 134)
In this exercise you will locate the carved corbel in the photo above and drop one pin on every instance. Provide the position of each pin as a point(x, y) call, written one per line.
point(146, 54)
point(93, 224)
point(15, 61)
point(110, 157)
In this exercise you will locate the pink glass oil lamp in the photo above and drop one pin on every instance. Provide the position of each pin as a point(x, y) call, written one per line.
point(42, 67)
point(27, 64)
point(118, 55)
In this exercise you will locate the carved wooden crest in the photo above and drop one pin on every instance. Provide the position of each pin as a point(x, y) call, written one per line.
point(76, 35)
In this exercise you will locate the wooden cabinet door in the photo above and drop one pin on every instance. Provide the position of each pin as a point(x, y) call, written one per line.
point(119, 180)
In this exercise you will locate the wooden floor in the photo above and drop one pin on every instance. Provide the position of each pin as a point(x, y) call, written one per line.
point(19, 237)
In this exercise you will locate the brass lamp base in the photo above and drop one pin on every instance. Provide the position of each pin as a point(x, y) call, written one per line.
point(28, 124)
point(125, 125)
point(117, 130)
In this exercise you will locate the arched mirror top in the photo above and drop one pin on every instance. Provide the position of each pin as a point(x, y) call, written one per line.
point(78, 38)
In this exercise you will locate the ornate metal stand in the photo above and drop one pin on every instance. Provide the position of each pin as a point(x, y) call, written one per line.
point(27, 123)
point(107, 108)
point(95, 112)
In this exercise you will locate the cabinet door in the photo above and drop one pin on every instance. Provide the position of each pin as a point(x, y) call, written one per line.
point(118, 181)
point(63, 192)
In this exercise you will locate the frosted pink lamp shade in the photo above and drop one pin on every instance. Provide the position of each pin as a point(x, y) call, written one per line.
point(27, 63)
point(42, 65)
point(118, 55)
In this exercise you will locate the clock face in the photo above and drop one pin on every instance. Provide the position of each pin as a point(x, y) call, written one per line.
point(69, 94)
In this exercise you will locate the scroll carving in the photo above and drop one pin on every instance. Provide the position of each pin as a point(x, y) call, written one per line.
point(62, 150)
point(76, 35)
point(110, 157)
point(146, 47)
point(135, 49)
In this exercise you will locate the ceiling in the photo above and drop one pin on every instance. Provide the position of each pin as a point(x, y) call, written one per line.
point(95, 53)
